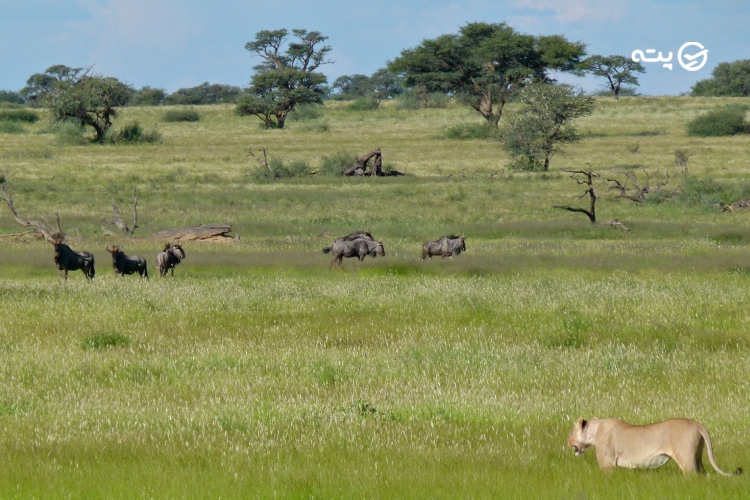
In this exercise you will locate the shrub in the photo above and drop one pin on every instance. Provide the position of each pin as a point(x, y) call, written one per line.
point(281, 170)
point(727, 120)
point(19, 115)
point(181, 115)
point(135, 133)
point(11, 96)
point(70, 133)
point(307, 111)
point(708, 192)
point(335, 165)
point(411, 99)
point(365, 103)
point(7, 127)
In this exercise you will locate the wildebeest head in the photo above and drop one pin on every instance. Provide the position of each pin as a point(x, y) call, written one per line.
point(379, 249)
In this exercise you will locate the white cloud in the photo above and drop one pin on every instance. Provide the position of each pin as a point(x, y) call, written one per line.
point(576, 10)
point(136, 23)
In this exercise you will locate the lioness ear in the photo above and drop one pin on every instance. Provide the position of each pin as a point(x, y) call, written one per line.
point(584, 423)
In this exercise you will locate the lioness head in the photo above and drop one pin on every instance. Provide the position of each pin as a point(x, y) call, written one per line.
point(578, 439)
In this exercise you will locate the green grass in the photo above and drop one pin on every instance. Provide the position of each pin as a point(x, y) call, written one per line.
point(437, 385)
point(256, 372)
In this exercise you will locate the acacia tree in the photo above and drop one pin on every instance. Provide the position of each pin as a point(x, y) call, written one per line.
point(616, 69)
point(485, 64)
point(74, 94)
point(544, 123)
point(284, 78)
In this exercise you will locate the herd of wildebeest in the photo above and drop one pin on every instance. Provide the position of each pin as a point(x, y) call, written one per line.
point(359, 244)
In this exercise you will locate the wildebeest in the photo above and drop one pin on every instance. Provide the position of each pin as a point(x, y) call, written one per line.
point(69, 260)
point(365, 235)
point(127, 264)
point(447, 246)
point(359, 247)
point(169, 258)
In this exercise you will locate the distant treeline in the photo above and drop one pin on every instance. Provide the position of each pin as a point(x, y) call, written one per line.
point(728, 80)
point(205, 93)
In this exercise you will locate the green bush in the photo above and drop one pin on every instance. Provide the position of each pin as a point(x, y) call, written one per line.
point(70, 133)
point(19, 115)
point(11, 97)
point(364, 103)
point(708, 192)
point(335, 165)
point(304, 112)
point(181, 115)
point(411, 99)
point(280, 170)
point(7, 127)
point(134, 133)
point(727, 120)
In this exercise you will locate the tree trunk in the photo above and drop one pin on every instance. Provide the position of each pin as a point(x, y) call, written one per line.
point(210, 232)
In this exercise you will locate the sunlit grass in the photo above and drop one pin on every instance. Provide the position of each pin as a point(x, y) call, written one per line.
point(256, 372)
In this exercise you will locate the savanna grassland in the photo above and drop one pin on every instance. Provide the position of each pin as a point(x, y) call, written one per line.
point(257, 372)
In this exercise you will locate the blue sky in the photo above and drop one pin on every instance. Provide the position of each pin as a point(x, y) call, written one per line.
point(181, 43)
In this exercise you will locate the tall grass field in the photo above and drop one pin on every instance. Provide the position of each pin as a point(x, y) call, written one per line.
point(255, 372)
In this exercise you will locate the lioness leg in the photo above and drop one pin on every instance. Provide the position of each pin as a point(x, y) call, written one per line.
point(606, 459)
point(691, 461)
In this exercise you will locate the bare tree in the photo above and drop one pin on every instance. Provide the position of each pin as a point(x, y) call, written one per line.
point(587, 179)
point(117, 220)
point(264, 161)
point(41, 227)
point(634, 190)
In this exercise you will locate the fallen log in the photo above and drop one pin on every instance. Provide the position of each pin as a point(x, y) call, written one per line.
point(201, 232)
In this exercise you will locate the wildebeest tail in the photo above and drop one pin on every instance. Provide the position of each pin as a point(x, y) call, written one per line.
point(326, 250)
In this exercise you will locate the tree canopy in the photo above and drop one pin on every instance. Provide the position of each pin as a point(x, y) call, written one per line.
point(544, 124)
point(205, 93)
point(74, 94)
point(285, 77)
point(485, 64)
point(616, 69)
point(728, 80)
point(382, 83)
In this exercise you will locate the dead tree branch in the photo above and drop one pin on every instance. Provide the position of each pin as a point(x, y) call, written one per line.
point(634, 190)
point(588, 181)
point(264, 161)
point(117, 221)
point(38, 226)
point(616, 224)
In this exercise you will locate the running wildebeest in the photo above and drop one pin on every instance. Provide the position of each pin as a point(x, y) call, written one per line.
point(359, 247)
point(127, 264)
point(169, 258)
point(69, 260)
point(447, 246)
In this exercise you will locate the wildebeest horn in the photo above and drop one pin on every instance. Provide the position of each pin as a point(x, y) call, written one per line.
point(106, 247)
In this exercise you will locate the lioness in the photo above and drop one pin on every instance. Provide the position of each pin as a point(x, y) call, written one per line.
point(644, 446)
